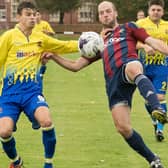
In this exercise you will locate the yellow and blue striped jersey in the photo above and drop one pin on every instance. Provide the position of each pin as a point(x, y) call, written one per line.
point(159, 31)
point(20, 58)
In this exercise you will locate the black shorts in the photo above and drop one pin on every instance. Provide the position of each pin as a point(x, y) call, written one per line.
point(119, 90)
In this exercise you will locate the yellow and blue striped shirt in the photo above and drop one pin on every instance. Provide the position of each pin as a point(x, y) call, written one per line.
point(159, 31)
point(20, 58)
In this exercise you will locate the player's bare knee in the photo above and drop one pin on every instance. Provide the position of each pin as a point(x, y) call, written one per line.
point(133, 69)
point(5, 133)
point(124, 130)
point(46, 123)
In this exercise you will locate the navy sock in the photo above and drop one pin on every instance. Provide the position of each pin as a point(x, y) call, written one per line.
point(48, 165)
point(147, 91)
point(149, 110)
point(9, 146)
point(49, 141)
point(136, 142)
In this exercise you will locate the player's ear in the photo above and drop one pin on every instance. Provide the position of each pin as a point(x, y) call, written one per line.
point(17, 17)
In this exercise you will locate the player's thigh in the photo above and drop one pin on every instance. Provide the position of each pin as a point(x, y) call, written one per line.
point(121, 115)
point(121, 118)
point(132, 69)
point(9, 114)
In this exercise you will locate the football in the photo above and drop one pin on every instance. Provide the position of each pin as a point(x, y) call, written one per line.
point(90, 44)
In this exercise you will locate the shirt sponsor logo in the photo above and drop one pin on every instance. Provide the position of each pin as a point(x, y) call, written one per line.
point(21, 54)
point(114, 40)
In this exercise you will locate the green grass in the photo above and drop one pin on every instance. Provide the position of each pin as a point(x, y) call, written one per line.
point(85, 131)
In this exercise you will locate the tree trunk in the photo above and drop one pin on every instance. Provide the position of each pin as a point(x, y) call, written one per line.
point(61, 21)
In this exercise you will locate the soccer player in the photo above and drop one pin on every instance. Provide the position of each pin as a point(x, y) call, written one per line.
point(123, 73)
point(140, 14)
point(21, 89)
point(155, 63)
point(42, 25)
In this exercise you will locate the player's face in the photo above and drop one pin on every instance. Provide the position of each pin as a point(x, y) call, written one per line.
point(28, 18)
point(140, 15)
point(155, 13)
point(38, 17)
point(107, 14)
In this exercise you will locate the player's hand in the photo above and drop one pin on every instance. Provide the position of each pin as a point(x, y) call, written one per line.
point(45, 57)
point(149, 50)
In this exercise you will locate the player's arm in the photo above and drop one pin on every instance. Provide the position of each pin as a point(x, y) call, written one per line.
point(4, 48)
point(148, 49)
point(71, 65)
point(157, 44)
point(59, 46)
point(144, 37)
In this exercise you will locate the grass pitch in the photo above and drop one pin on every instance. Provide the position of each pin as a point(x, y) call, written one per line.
point(86, 137)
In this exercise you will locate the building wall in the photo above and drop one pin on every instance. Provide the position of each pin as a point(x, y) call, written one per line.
point(9, 8)
point(82, 15)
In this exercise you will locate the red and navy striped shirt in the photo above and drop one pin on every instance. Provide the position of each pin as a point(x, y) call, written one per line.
point(120, 46)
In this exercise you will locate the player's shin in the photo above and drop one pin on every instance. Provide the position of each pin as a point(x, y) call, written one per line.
point(147, 91)
point(9, 147)
point(136, 142)
point(49, 142)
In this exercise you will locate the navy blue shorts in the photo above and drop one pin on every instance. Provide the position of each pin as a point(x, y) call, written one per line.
point(12, 105)
point(119, 91)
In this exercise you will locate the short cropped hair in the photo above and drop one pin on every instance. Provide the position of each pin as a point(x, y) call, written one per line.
point(25, 4)
point(156, 2)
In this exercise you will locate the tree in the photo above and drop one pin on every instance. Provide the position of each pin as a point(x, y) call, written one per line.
point(58, 5)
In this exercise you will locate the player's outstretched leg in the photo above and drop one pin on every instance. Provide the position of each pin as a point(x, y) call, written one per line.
point(49, 141)
point(148, 92)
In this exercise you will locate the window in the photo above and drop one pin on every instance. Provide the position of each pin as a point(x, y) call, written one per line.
point(2, 14)
point(14, 9)
point(54, 17)
point(86, 13)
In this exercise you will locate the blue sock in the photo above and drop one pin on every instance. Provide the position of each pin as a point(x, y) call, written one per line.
point(48, 165)
point(9, 146)
point(49, 141)
point(160, 126)
point(147, 91)
point(136, 142)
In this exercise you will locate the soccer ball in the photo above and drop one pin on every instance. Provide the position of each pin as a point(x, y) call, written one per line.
point(90, 44)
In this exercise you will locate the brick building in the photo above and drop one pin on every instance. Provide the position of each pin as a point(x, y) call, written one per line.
point(85, 14)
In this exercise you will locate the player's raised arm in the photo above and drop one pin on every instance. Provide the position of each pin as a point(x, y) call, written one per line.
point(157, 45)
point(72, 65)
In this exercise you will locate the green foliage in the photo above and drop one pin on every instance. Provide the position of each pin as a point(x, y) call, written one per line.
point(57, 5)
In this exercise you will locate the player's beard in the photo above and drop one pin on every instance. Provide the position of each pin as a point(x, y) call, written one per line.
point(111, 24)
